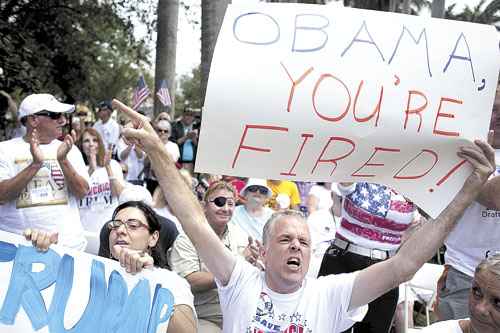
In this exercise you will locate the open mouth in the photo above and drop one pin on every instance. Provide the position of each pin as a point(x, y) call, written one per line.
point(293, 263)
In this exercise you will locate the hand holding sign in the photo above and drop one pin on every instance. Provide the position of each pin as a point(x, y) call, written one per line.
point(40, 239)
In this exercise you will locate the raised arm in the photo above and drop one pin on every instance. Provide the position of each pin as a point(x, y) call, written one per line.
point(379, 278)
point(184, 204)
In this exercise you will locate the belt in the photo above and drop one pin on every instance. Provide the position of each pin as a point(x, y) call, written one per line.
point(363, 251)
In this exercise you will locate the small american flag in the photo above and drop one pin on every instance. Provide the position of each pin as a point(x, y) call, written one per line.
point(163, 94)
point(140, 93)
point(57, 175)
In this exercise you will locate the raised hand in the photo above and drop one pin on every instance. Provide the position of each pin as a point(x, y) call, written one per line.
point(107, 157)
point(142, 134)
point(40, 239)
point(133, 261)
point(65, 147)
point(35, 150)
point(252, 253)
point(482, 158)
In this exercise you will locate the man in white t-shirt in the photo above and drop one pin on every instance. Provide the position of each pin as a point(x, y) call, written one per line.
point(41, 178)
point(108, 128)
point(281, 298)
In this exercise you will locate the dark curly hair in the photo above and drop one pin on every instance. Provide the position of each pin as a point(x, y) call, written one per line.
point(157, 251)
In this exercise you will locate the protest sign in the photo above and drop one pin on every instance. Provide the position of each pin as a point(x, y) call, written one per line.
point(63, 290)
point(308, 92)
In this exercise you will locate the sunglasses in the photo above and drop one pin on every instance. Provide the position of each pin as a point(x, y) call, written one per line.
point(262, 190)
point(51, 115)
point(492, 253)
point(221, 201)
point(163, 131)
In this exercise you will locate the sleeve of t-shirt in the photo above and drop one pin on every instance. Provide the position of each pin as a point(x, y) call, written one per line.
point(184, 259)
point(338, 289)
point(241, 283)
point(295, 195)
point(76, 159)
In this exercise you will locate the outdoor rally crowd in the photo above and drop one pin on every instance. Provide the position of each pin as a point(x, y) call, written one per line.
point(247, 252)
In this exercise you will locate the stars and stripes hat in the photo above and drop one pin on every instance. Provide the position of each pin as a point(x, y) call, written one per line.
point(42, 102)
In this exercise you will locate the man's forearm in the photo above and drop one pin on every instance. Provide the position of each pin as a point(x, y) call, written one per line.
point(425, 242)
point(187, 209)
point(76, 183)
point(10, 189)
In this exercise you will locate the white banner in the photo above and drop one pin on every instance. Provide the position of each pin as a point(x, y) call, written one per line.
point(69, 291)
point(309, 92)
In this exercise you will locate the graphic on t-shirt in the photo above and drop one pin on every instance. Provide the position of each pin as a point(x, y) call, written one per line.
point(267, 319)
point(98, 197)
point(46, 188)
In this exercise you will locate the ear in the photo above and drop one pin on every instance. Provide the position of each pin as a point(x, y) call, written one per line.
point(153, 239)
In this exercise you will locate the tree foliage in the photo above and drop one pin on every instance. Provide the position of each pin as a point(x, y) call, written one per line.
point(189, 95)
point(489, 15)
point(79, 50)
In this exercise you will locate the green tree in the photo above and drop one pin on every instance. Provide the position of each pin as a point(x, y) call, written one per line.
point(79, 50)
point(489, 15)
point(189, 94)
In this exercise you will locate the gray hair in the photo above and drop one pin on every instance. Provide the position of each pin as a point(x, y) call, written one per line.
point(269, 226)
point(491, 264)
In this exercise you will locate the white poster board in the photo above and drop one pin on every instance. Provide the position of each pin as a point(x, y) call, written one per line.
point(307, 92)
point(69, 291)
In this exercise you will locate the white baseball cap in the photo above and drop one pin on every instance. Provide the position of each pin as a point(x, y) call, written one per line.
point(42, 102)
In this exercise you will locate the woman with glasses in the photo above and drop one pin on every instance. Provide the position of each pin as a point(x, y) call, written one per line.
point(106, 181)
point(218, 205)
point(253, 214)
point(134, 240)
point(484, 302)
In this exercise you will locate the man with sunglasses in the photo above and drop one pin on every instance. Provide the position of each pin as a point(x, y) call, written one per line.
point(281, 298)
point(253, 214)
point(41, 178)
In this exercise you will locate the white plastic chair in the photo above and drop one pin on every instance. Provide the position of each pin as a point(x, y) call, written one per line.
point(425, 279)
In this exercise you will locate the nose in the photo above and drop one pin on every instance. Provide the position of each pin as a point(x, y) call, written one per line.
point(122, 229)
point(295, 245)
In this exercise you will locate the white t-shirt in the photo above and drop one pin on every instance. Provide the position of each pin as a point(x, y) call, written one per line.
point(46, 202)
point(110, 132)
point(173, 150)
point(97, 207)
point(252, 226)
point(135, 165)
point(319, 306)
point(449, 326)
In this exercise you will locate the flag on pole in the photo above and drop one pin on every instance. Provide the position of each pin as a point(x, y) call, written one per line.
point(140, 93)
point(163, 94)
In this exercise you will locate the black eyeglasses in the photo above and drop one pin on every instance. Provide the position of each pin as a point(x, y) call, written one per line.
point(221, 201)
point(51, 115)
point(255, 188)
point(130, 224)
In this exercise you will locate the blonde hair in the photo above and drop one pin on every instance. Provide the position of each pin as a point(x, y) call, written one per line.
point(491, 264)
point(219, 185)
